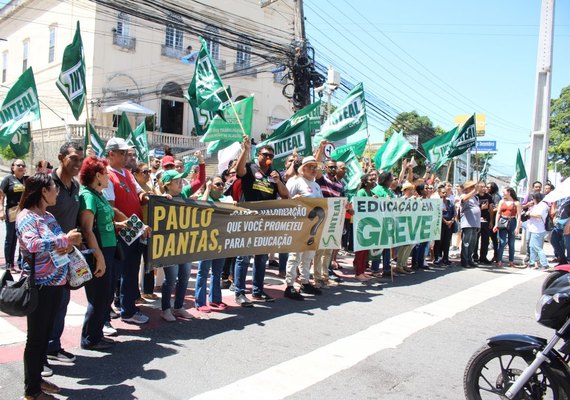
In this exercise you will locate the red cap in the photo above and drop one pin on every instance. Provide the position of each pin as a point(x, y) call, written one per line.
point(167, 160)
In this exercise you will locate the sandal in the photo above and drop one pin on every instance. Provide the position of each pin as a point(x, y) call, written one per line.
point(218, 306)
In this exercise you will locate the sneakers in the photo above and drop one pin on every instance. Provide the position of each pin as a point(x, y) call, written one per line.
point(226, 283)
point(263, 297)
point(401, 270)
point(310, 289)
point(167, 315)
point(100, 346)
point(108, 330)
point(243, 301)
point(150, 296)
point(292, 294)
point(62, 356)
point(232, 288)
point(114, 314)
point(47, 371)
point(182, 313)
point(137, 318)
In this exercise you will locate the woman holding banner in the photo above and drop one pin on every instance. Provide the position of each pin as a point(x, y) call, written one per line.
point(213, 192)
point(179, 274)
point(367, 182)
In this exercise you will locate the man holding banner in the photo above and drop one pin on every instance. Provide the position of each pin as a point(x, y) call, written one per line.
point(258, 182)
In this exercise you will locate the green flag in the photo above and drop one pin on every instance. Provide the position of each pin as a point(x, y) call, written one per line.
point(520, 172)
point(357, 147)
point(395, 148)
point(230, 129)
point(296, 137)
point(71, 80)
point(202, 119)
point(312, 112)
point(92, 138)
point(353, 173)
point(124, 130)
point(484, 171)
point(140, 141)
point(436, 149)
point(463, 139)
point(21, 140)
point(217, 146)
point(206, 90)
point(348, 119)
point(20, 105)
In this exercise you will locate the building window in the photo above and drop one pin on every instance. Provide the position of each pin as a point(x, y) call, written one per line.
point(51, 55)
point(212, 35)
point(174, 35)
point(4, 66)
point(243, 55)
point(122, 33)
point(25, 54)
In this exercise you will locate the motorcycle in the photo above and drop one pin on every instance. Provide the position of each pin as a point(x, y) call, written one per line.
point(524, 367)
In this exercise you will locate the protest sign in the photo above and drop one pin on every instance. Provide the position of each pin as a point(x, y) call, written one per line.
point(383, 223)
point(186, 230)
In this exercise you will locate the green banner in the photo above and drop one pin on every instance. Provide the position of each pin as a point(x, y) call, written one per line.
point(357, 148)
point(311, 112)
point(20, 105)
point(140, 141)
point(395, 148)
point(71, 80)
point(21, 140)
point(296, 137)
point(387, 223)
point(464, 139)
point(230, 130)
point(436, 149)
point(206, 90)
point(93, 139)
point(348, 119)
point(124, 130)
point(351, 178)
point(185, 230)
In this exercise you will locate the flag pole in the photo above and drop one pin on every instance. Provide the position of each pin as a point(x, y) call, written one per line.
point(43, 141)
point(88, 130)
point(448, 170)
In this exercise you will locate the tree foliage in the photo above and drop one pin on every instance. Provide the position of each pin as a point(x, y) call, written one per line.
point(559, 145)
point(7, 153)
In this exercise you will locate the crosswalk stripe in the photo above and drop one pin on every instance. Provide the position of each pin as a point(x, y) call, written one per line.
point(9, 334)
point(299, 373)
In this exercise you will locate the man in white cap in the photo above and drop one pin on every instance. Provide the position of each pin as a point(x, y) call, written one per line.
point(125, 195)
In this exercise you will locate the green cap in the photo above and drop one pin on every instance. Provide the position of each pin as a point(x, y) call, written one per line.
point(172, 174)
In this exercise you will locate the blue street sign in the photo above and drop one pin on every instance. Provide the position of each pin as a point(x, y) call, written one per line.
point(486, 146)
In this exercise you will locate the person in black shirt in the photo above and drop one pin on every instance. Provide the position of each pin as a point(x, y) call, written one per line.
point(11, 189)
point(486, 205)
point(258, 182)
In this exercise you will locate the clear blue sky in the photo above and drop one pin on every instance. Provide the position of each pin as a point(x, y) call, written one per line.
point(443, 58)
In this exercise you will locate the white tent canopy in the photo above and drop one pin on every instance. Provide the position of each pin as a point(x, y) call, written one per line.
point(129, 107)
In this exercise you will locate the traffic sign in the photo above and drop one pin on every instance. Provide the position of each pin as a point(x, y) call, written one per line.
point(486, 146)
point(329, 148)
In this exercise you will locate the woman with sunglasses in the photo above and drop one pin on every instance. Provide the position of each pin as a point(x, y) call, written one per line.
point(11, 189)
point(42, 241)
point(213, 192)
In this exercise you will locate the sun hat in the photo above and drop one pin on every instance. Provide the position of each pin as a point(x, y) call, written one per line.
point(407, 185)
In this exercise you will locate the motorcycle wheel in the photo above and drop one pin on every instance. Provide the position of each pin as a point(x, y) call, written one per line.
point(491, 371)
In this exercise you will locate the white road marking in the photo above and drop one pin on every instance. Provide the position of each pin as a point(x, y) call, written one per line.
point(9, 334)
point(292, 376)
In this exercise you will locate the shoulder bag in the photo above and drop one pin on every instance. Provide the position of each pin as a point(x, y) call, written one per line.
point(19, 298)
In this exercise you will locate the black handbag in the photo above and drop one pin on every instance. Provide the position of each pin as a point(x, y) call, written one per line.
point(19, 298)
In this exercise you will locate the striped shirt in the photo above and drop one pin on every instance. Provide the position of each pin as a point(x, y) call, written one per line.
point(329, 187)
point(41, 234)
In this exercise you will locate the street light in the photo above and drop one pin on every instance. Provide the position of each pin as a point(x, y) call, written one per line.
point(556, 171)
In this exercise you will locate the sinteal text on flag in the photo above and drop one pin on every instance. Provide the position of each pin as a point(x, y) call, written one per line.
point(17, 108)
point(71, 82)
point(463, 139)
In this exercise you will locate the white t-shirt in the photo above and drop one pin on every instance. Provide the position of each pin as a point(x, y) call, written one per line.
point(304, 187)
point(536, 225)
point(109, 191)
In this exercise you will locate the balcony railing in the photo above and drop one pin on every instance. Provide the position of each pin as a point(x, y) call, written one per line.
point(245, 70)
point(125, 42)
point(155, 139)
point(171, 52)
point(220, 64)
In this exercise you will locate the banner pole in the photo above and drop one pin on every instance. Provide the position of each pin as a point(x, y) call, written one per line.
point(88, 130)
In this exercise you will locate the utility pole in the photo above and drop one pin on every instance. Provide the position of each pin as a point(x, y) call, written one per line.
point(541, 117)
point(302, 63)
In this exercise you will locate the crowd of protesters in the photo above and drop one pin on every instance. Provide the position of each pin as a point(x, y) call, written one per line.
point(86, 200)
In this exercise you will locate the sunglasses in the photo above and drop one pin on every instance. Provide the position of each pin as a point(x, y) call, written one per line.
point(20, 165)
point(268, 155)
point(146, 171)
point(331, 167)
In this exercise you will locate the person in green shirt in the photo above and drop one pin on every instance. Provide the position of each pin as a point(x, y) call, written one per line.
point(361, 257)
point(382, 189)
point(96, 219)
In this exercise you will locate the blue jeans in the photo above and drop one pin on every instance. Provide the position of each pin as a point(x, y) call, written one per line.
point(507, 235)
point(202, 280)
point(54, 344)
point(129, 273)
point(99, 292)
point(536, 251)
point(419, 254)
point(240, 275)
point(179, 275)
point(557, 241)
